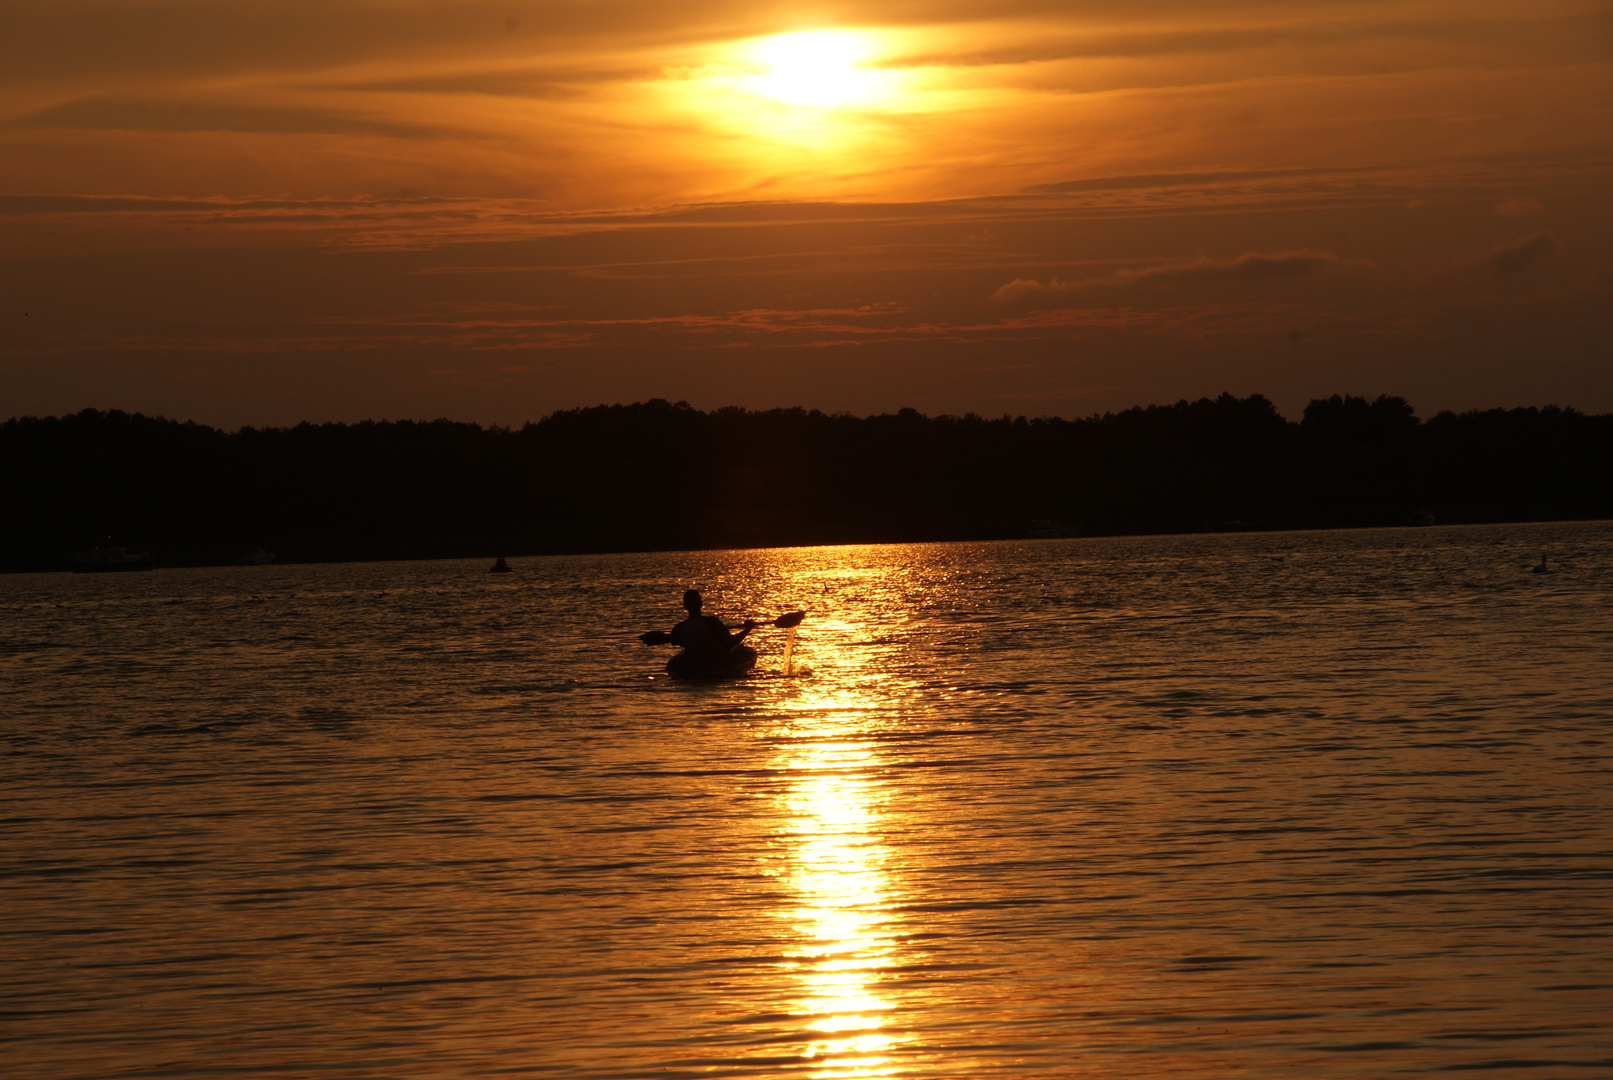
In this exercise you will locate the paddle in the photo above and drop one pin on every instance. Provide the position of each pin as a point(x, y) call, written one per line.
point(783, 622)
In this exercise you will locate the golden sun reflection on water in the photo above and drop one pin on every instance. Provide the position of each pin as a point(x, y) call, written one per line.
point(843, 897)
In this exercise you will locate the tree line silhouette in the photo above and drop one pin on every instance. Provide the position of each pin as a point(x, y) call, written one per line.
point(656, 475)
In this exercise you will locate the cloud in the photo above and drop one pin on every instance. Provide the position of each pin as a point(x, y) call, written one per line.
point(1250, 267)
point(1162, 180)
point(1515, 206)
point(1029, 288)
point(1513, 259)
point(110, 114)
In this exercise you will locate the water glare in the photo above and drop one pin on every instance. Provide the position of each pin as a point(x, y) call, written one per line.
point(841, 884)
point(1283, 805)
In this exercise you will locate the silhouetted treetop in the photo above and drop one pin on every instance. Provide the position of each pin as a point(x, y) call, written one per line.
point(660, 474)
point(1356, 417)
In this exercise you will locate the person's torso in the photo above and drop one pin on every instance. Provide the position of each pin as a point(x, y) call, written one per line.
point(701, 633)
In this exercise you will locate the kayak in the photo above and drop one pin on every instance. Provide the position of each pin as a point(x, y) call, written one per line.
point(687, 665)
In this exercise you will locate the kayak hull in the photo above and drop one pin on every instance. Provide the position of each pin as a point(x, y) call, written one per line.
point(735, 663)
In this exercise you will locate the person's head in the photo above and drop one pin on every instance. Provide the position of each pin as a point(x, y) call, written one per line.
point(691, 602)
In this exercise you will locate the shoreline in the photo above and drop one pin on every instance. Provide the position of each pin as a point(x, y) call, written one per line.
point(530, 555)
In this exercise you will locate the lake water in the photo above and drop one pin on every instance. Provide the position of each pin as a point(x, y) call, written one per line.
point(1297, 804)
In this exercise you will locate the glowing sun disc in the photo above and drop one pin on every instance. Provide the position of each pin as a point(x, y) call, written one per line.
point(814, 67)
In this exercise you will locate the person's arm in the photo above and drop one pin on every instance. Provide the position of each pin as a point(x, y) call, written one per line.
point(744, 630)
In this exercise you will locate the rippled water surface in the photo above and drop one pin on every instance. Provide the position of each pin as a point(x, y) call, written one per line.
point(1300, 804)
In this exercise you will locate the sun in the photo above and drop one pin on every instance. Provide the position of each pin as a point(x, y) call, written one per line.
point(819, 68)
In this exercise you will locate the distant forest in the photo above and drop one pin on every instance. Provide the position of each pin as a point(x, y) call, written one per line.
point(658, 476)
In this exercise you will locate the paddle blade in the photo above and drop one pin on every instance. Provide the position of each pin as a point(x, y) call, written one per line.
point(656, 637)
point(784, 622)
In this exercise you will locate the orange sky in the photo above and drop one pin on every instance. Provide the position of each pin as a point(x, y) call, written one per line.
point(254, 212)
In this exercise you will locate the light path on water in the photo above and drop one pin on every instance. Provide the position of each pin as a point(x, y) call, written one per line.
point(1301, 804)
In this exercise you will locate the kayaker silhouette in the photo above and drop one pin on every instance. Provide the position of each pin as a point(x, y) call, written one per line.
point(710, 651)
point(709, 648)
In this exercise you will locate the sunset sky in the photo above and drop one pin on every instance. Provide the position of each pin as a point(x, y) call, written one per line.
point(254, 212)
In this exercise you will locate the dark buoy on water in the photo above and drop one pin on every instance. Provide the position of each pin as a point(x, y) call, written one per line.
point(1542, 568)
point(499, 567)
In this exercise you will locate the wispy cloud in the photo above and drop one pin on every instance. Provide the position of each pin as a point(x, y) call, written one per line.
point(115, 114)
point(1519, 205)
point(1249, 268)
point(1513, 259)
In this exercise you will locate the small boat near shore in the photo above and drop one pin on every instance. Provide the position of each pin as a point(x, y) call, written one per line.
point(1420, 518)
point(104, 558)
